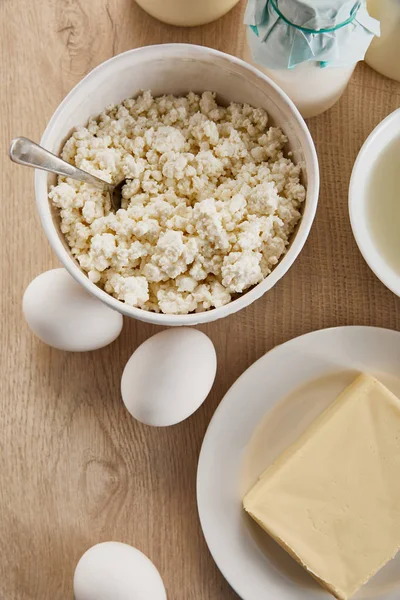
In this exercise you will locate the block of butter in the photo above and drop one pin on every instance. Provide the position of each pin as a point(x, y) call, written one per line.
point(332, 499)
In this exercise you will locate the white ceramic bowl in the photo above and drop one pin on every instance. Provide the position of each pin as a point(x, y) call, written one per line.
point(376, 143)
point(177, 69)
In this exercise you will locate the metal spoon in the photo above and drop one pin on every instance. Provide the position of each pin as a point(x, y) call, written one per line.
point(25, 152)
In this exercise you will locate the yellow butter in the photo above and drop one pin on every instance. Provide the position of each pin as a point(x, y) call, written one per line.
point(332, 499)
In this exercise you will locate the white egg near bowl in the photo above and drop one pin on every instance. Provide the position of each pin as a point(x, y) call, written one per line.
point(177, 69)
point(169, 376)
point(376, 178)
point(64, 316)
point(116, 571)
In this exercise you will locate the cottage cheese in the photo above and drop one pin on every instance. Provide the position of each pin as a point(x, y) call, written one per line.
point(209, 204)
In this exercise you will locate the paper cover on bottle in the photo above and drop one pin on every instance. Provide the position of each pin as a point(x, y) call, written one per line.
point(285, 33)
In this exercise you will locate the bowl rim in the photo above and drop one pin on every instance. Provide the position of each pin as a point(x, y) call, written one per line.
point(357, 202)
point(246, 298)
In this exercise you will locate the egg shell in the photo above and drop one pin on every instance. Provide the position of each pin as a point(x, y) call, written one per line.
point(169, 376)
point(63, 315)
point(116, 571)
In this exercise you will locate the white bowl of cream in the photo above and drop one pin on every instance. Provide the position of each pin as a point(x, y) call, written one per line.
point(374, 201)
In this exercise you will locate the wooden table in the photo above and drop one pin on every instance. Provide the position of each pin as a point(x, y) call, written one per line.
point(75, 469)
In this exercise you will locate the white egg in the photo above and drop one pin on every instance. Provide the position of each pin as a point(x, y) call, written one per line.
point(115, 571)
point(169, 376)
point(63, 315)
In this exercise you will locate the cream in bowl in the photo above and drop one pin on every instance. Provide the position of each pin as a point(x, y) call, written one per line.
point(221, 189)
point(374, 201)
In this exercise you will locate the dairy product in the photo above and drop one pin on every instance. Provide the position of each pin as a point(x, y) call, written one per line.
point(187, 12)
point(312, 89)
point(384, 52)
point(209, 205)
point(309, 48)
point(331, 499)
point(383, 203)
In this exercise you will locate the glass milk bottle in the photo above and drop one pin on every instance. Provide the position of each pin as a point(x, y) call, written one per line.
point(383, 54)
point(313, 89)
point(310, 50)
point(187, 12)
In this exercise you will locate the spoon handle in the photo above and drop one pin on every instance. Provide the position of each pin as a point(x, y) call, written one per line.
point(25, 152)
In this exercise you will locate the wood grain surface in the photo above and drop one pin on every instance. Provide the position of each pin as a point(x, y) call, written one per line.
point(75, 469)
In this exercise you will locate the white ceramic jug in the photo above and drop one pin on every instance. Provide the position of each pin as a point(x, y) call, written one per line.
point(187, 12)
point(384, 52)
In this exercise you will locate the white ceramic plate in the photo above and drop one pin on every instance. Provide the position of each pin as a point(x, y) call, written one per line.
point(267, 408)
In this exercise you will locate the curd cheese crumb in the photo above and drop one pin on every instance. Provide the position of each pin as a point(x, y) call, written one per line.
point(209, 204)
